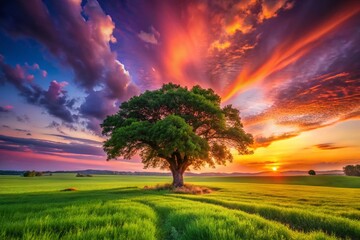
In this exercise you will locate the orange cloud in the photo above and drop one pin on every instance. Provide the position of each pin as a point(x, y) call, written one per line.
point(270, 8)
point(288, 52)
point(266, 141)
point(220, 45)
point(320, 102)
point(185, 44)
point(329, 146)
point(239, 23)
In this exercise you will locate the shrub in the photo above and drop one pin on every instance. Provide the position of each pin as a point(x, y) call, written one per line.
point(32, 174)
point(311, 172)
point(186, 189)
point(69, 189)
point(83, 175)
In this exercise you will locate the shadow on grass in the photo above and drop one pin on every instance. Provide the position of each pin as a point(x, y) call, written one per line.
point(65, 197)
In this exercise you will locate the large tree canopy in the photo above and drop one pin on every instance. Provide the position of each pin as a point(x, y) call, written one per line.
point(175, 128)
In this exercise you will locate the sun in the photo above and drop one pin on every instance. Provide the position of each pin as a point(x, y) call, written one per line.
point(274, 169)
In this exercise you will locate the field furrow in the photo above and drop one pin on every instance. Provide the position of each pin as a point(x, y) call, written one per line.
point(295, 218)
point(187, 219)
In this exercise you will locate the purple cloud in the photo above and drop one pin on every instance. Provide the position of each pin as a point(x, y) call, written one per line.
point(23, 118)
point(47, 147)
point(80, 38)
point(54, 100)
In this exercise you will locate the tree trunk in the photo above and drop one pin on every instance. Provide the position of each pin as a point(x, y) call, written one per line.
point(178, 179)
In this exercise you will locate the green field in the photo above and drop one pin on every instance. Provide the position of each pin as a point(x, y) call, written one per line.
point(117, 207)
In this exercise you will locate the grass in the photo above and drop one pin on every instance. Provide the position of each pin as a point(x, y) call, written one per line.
point(117, 207)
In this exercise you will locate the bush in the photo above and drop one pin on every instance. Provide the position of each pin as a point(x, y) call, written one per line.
point(69, 189)
point(32, 174)
point(83, 175)
point(186, 189)
point(352, 170)
point(311, 172)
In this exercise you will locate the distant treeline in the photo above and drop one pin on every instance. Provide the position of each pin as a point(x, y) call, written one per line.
point(87, 172)
point(108, 172)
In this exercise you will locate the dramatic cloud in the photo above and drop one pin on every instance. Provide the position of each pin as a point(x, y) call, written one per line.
point(290, 66)
point(47, 147)
point(79, 37)
point(314, 103)
point(54, 100)
point(288, 52)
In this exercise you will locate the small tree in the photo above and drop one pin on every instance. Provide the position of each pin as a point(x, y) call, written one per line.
point(352, 170)
point(30, 174)
point(175, 128)
point(312, 172)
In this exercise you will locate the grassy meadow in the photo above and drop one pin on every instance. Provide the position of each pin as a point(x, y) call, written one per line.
point(117, 207)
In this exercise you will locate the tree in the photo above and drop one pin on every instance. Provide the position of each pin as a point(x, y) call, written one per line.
point(32, 174)
point(352, 170)
point(175, 128)
point(312, 172)
point(29, 173)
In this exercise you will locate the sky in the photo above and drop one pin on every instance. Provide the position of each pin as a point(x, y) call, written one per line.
point(292, 68)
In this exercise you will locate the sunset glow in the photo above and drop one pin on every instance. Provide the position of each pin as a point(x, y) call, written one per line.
point(291, 67)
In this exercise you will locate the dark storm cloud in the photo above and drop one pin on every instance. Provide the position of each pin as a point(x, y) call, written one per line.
point(42, 146)
point(55, 99)
point(79, 37)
